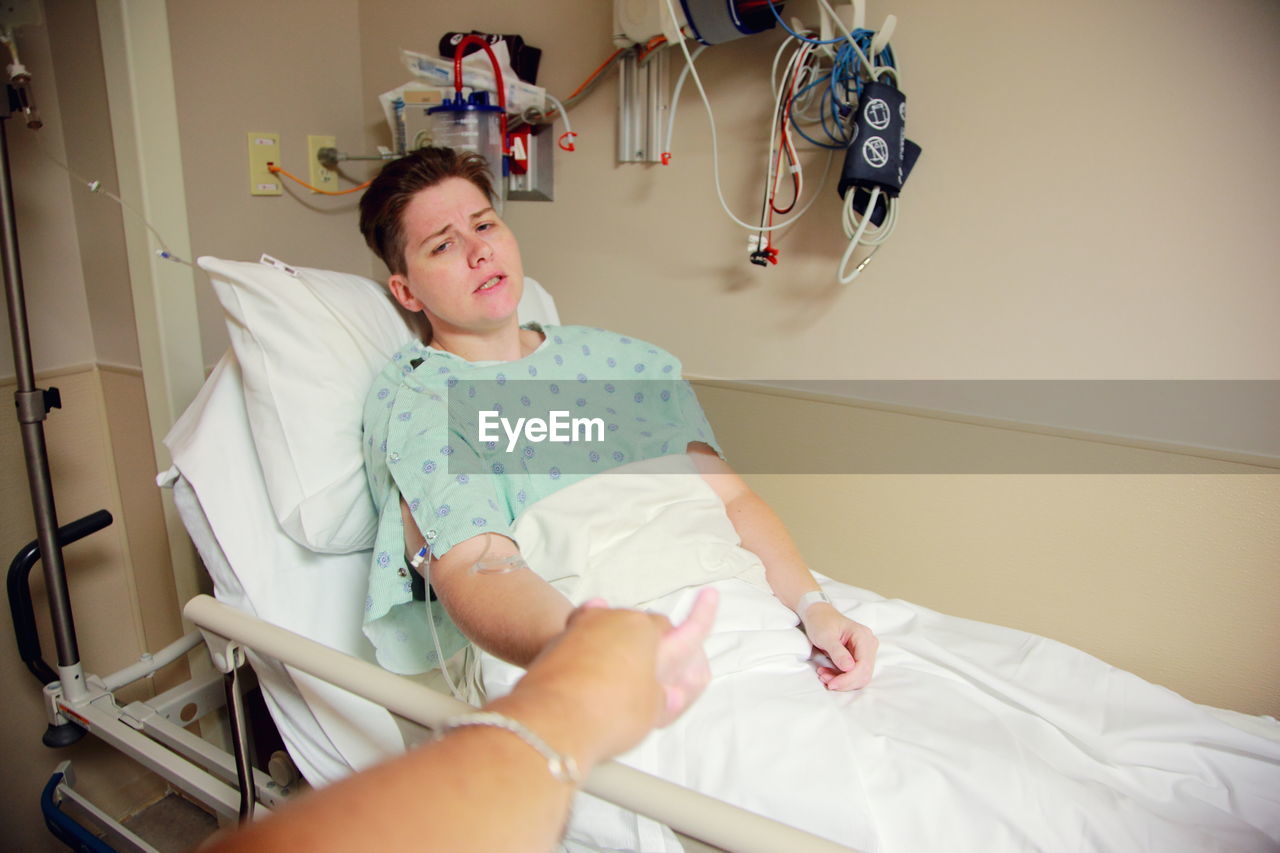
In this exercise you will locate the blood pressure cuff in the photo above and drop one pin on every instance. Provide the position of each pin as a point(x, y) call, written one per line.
point(862, 194)
point(880, 154)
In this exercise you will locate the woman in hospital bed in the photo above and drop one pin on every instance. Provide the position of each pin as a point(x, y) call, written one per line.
point(513, 534)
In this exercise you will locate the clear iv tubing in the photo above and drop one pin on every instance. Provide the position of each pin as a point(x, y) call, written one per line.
point(715, 155)
point(423, 559)
point(499, 566)
point(96, 187)
point(564, 114)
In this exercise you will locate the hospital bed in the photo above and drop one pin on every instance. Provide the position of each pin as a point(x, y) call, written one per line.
point(276, 506)
point(289, 608)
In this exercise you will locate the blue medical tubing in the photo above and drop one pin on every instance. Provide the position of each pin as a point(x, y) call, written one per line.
point(862, 36)
point(778, 16)
point(843, 76)
point(837, 143)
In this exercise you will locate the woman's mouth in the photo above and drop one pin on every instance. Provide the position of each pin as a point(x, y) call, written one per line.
point(490, 284)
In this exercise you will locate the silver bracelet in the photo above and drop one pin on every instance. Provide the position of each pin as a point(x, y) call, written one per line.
point(809, 599)
point(563, 768)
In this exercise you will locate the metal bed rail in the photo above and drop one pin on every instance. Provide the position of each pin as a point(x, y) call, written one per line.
point(696, 815)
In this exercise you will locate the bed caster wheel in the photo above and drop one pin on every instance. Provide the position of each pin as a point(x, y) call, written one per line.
point(281, 769)
point(56, 737)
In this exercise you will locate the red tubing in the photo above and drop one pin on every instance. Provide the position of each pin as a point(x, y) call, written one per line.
point(497, 75)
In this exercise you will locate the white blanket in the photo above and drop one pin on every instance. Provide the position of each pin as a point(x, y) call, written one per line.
point(970, 736)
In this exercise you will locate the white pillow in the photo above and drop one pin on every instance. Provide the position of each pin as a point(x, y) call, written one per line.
point(309, 343)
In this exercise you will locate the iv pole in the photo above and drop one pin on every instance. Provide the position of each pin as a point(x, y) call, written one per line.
point(33, 405)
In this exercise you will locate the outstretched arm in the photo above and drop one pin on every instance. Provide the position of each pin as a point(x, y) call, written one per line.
point(850, 645)
point(595, 691)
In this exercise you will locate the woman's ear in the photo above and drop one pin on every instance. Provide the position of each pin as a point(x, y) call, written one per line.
point(399, 287)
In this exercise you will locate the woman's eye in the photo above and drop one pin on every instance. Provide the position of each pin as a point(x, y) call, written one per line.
point(484, 226)
point(441, 248)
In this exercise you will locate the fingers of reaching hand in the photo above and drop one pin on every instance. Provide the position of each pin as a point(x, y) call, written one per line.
point(682, 667)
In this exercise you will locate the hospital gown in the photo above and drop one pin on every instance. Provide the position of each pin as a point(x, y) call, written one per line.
point(422, 442)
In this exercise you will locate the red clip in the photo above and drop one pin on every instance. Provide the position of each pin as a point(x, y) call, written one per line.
point(518, 151)
point(771, 254)
point(666, 158)
point(570, 135)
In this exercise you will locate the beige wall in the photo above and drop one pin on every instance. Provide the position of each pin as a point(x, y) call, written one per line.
point(1061, 222)
point(1158, 561)
point(86, 134)
point(295, 71)
point(61, 333)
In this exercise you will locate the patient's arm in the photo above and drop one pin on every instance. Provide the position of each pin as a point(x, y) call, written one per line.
point(510, 614)
point(850, 645)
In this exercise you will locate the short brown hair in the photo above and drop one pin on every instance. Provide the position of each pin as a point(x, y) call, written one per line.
point(382, 205)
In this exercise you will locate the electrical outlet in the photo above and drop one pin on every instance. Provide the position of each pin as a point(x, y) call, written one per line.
point(264, 148)
point(322, 177)
point(20, 13)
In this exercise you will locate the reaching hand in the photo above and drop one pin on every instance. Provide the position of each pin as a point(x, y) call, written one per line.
point(682, 669)
point(623, 672)
point(850, 645)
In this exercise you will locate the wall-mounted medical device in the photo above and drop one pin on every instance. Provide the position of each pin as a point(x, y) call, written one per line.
point(468, 123)
point(464, 100)
point(836, 88)
point(708, 21)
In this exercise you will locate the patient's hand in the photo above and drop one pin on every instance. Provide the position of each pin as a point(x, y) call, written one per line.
point(850, 645)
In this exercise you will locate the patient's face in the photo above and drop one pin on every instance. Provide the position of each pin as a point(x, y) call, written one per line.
point(463, 263)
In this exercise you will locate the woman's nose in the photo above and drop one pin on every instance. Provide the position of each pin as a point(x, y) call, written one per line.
point(479, 250)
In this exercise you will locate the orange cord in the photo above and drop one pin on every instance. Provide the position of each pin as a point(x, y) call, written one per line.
point(650, 46)
point(596, 73)
point(276, 170)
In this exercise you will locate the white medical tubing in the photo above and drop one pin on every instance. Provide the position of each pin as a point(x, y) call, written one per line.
point(872, 70)
point(715, 155)
point(564, 114)
point(698, 815)
point(675, 97)
point(856, 238)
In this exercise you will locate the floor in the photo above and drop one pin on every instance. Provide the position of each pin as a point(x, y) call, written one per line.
point(173, 824)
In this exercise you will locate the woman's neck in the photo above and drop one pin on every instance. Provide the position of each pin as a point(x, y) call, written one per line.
point(508, 343)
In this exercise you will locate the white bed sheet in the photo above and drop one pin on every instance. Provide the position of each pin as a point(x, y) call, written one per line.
point(970, 737)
